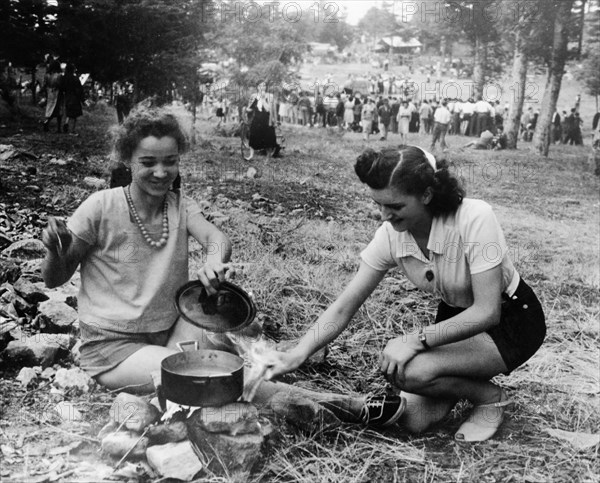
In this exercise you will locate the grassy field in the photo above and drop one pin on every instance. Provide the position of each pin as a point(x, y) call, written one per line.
point(299, 227)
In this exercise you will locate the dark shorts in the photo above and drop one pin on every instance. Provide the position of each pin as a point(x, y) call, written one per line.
point(102, 350)
point(522, 326)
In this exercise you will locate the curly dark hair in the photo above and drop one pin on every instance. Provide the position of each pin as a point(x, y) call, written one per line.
point(144, 122)
point(409, 170)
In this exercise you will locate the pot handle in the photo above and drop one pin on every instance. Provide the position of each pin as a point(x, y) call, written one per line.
point(181, 345)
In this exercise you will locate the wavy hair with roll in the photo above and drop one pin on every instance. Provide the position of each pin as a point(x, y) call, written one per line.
point(408, 170)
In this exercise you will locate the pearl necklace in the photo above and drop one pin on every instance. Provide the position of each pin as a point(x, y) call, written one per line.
point(165, 222)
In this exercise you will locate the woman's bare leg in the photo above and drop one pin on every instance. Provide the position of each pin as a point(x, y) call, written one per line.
point(134, 374)
point(448, 373)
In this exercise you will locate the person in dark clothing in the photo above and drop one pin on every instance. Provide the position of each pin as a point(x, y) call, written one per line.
point(262, 129)
point(54, 86)
point(572, 128)
point(556, 128)
point(122, 102)
point(339, 112)
point(73, 92)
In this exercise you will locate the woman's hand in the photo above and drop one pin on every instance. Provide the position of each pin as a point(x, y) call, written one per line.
point(56, 236)
point(279, 363)
point(397, 353)
point(211, 275)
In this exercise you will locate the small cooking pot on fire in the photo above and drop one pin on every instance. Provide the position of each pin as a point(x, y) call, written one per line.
point(201, 377)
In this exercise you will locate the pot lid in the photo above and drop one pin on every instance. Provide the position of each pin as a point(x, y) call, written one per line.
point(229, 310)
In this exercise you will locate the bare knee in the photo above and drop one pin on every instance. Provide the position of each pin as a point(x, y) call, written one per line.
point(418, 375)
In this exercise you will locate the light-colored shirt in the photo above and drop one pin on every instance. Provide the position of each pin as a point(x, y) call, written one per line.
point(367, 112)
point(127, 285)
point(467, 108)
point(460, 245)
point(442, 115)
point(483, 107)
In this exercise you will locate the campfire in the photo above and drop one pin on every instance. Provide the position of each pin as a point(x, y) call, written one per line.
point(203, 418)
point(179, 440)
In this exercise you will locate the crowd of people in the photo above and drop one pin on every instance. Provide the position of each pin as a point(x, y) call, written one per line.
point(383, 113)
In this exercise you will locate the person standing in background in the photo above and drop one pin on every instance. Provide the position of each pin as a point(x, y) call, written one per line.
point(384, 119)
point(424, 114)
point(54, 86)
point(367, 114)
point(73, 92)
point(440, 126)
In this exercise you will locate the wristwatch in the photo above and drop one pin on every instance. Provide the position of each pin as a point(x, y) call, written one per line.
point(423, 338)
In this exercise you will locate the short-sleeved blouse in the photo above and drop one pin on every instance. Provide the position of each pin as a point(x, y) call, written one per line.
point(462, 244)
point(127, 285)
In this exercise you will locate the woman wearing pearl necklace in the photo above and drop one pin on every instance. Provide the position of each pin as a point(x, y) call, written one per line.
point(132, 245)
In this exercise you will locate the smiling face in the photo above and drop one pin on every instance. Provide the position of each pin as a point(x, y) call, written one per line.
point(404, 212)
point(155, 165)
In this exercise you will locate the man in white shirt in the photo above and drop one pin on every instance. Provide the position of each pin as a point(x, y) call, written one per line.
point(441, 119)
point(483, 109)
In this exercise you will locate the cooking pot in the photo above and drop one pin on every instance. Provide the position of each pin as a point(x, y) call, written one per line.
point(201, 377)
point(229, 310)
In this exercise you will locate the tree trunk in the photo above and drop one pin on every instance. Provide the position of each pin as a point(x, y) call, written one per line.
point(194, 109)
point(541, 137)
point(519, 78)
point(581, 29)
point(479, 66)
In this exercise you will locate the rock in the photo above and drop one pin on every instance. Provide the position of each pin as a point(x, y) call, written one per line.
point(38, 350)
point(167, 433)
point(233, 419)
point(251, 173)
point(135, 410)
point(92, 182)
point(228, 454)
point(56, 315)
point(9, 271)
point(48, 373)
point(7, 151)
point(66, 293)
point(31, 292)
point(67, 411)
point(301, 412)
point(118, 443)
point(28, 374)
point(32, 267)
point(74, 379)
point(174, 460)
point(26, 249)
